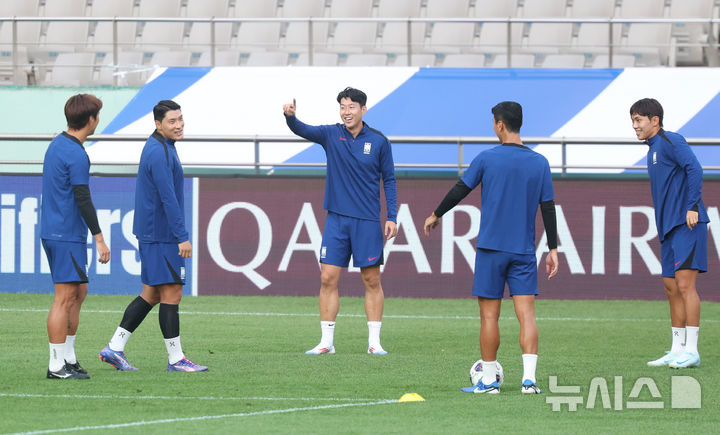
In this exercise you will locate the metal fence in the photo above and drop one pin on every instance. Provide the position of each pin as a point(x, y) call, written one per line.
point(413, 43)
point(259, 167)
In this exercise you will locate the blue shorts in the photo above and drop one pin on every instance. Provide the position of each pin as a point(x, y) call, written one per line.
point(344, 235)
point(494, 268)
point(684, 249)
point(68, 260)
point(161, 264)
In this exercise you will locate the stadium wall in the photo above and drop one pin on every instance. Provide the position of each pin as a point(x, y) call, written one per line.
point(261, 236)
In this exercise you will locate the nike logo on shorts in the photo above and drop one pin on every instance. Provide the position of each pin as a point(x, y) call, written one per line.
point(371, 258)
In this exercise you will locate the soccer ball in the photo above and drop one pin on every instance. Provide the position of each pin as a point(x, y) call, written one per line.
point(476, 372)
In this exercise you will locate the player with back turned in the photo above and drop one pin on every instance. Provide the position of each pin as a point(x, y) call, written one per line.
point(514, 181)
point(358, 157)
point(66, 214)
point(681, 220)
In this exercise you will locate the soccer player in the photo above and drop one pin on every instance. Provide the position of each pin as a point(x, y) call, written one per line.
point(514, 180)
point(681, 219)
point(357, 157)
point(67, 212)
point(163, 240)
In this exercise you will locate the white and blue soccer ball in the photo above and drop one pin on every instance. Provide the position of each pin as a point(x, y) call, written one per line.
point(476, 372)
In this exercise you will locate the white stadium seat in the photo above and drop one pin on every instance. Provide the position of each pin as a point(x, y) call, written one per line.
point(594, 38)
point(66, 35)
point(257, 36)
point(395, 37)
point(296, 36)
point(170, 58)
point(211, 8)
point(161, 36)
point(447, 8)
point(463, 61)
point(159, 8)
point(543, 8)
point(64, 8)
point(494, 8)
point(72, 69)
point(691, 33)
point(517, 61)
point(642, 9)
point(592, 8)
point(199, 37)
point(564, 61)
point(399, 8)
point(493, 37)
point(353, 37)
point(102, 39)
point(618, 60)
point(452, 37)
point(549, 37)
point(365, 59)
point(254, 9)
point(112, 8)
point(302, 8)
point(129, 69)
point(419, 59)
point(351, 8)
point(319, 59)
point(18, 8)
point(222, 58)
point(267, 58)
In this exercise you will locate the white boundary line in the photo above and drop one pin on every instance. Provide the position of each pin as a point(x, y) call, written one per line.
point(207, 417)
point(387, 316)
point(115, 397)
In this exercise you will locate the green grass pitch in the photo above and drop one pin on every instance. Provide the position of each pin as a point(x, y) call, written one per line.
point(260, 381)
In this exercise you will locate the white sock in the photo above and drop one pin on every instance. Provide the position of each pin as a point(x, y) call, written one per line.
point(529, 365)
point(119, 339)
point(57, 356)
point(489, 372)
point(691, 339)
point(328, 334)
point(70, 349)
point(374, 334)
point(678, 341)
point(174, 349)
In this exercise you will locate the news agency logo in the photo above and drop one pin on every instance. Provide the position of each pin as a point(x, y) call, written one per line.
point(685, 393)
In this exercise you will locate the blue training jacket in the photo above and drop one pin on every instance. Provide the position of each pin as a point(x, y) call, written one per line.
point(159, 199)
point(675, 181)
point(355, 166)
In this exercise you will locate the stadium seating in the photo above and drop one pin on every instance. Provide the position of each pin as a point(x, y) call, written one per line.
point(516, 60)
point(437, 41)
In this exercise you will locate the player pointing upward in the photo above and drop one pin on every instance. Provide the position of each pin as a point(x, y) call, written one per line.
point(357, 158)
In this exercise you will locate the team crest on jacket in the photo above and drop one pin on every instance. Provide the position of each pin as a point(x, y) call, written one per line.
point(367, 148)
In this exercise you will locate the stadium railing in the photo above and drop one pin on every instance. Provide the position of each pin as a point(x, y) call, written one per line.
point(614, 25)
point(259, 167)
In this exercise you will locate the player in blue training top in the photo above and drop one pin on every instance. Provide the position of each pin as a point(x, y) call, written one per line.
point(163, 240)
point(357, 158)
point(514, 181)
point(66, 214)
point(681, 219)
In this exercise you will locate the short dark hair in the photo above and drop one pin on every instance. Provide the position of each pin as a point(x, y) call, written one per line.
point(163, 107)
point(510, 113)
point(79, 108)
point(353, 94)
point(647, 107)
